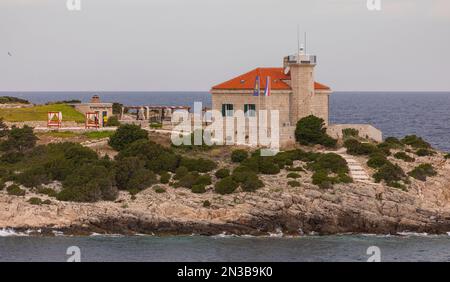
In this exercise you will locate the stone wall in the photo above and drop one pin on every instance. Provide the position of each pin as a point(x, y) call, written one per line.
point(43, 124)
point(320, 105)
point(365, 131)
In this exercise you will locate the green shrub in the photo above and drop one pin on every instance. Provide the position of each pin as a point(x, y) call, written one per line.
point(329, 162)
point(447, 156)
point(19, 139)
point(425, 152)
point(198, 188)
point(240, 175)
point(200, 165)
point(404, 156)
point(225, 186)
point(293, 175)
point(326, 164)
point(15, 190)
point(202, 146)
point(156, 157)
point(350, 132)
point(159, 189)
point(35, 201)
point(188, 180)
point(12, 157)
point(321, 179)
point(283, 159)
point(422, 171)
point(180, 172)
point(239, 155)
point(117, 108)
point(385, 148)
point(389, 173)
point(206, 203)
point(204, 179)
point(393, 143)
point(415, 142)
point(165, 177)
point(222, 173)
point(267, 166)
point(310, 130)
point(46, 202)
point(89, 183)
point(4, 129)
point(398, 185)
point(2, 185)
point(377, 160)
point(33, 177)
point(251, 183)
point(47, 191)
point(113, 121)
point(131, 174)
point(294, 183)
point(125, 135)
point(156, 125)
point(354, 147)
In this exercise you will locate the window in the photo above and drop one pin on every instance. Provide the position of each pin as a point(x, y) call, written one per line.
point(227, 110)
point(249, 110)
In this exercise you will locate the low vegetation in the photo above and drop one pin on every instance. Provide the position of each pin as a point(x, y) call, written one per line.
point(222, 173)
point(239, 155)
point(294, 183)
point(311, 130)
point(416, 142)
point(113, 121)
point(355, 147)
point(226, 186)
point(377, 160)
point(422, 171)
point(15, 190)
point(392, 174)
point(404, 156)
point(350, 133)
point(126, 135)
point(422, 152)
point(12, 100)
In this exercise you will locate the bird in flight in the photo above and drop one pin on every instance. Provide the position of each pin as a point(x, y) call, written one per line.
point(9, 54)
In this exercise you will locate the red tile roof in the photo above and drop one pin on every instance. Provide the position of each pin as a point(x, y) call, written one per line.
point(247, 80)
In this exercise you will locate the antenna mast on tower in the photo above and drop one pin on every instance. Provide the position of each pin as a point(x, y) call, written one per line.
point(305, 42)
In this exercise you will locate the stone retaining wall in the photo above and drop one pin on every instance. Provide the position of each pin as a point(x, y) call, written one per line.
point(365, 131)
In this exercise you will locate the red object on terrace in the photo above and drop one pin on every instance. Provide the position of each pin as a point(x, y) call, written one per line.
point(246, 81)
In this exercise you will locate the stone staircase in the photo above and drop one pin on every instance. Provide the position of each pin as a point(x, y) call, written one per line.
point(357, 171)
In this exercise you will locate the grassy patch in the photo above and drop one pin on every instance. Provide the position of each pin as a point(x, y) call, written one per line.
point(39, 113)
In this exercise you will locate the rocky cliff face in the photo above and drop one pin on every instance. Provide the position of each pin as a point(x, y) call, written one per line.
point(356, 208)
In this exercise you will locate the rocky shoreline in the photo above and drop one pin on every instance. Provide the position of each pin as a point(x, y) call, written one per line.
point(349, 208)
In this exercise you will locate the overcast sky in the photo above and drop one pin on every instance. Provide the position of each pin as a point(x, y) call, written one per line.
point(151, 45)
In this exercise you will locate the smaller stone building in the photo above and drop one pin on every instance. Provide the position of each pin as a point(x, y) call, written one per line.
point(104, 110)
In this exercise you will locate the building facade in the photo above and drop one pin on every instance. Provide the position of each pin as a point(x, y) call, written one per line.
point(294, 93)
point(104, 110)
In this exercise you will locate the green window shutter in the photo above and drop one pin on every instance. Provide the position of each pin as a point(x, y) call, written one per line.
point(223, 110)
point(245, 108)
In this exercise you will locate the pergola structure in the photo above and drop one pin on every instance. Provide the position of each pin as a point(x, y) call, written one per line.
point(54, 119)
point(92, 120)
point(157, 113)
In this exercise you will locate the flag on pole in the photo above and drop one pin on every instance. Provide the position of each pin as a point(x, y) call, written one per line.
point(257, 86)
point(268, 86)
